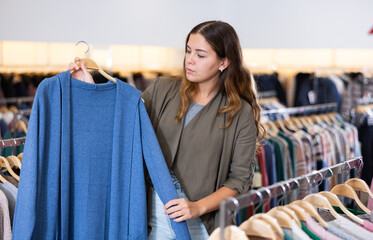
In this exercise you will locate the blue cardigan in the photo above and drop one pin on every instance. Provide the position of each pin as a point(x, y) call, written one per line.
point(83, 165)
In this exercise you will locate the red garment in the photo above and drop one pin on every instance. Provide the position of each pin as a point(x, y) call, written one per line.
point(260, 155)
point(262, 166)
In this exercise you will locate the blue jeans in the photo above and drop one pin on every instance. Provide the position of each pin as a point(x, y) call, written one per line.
point(161, 223)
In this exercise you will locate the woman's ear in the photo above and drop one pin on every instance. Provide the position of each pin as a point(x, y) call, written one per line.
point(224, 64)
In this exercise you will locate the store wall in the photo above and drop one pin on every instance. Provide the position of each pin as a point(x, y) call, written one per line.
point(260, 24)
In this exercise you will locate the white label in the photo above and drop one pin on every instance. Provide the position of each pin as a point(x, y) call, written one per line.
point(311, 97)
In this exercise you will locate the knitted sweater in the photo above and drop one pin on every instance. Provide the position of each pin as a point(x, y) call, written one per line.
point(83, 165)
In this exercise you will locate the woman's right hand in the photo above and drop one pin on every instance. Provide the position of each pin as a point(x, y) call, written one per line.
point(80, 72)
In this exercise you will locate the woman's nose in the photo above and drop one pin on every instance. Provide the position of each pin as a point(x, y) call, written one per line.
point(190, 59)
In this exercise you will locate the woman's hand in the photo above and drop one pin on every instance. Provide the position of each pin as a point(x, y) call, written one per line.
point(81, 72)
point(182, 209)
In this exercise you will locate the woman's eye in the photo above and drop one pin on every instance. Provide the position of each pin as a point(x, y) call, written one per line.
point(200, 56)
point(188, 51)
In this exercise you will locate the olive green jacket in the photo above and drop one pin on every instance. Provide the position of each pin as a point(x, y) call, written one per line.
point(203, 155)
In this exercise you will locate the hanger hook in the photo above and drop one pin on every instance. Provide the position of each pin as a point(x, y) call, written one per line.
point(319, 183)
point(269, 198)
point(88, 48)
point(298, 187)
point(261, 201)
point(291, 193)
point(306, 189)
point(235, 201)
point(283, 195)
point(346, 175)
point(360, 166)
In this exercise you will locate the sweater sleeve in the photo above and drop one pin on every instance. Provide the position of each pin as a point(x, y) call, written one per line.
point(25, 212)
point(158, 170)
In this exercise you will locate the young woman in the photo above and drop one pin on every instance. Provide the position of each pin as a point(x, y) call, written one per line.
point(207, 124)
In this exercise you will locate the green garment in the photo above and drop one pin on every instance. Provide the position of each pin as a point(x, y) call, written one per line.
point(309, 233)
point(8, 151)
point(279, 161)
point(353, 211)
point(291, 150)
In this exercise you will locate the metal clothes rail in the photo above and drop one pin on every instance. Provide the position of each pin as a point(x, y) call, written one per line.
point(12, 142)
point(18, 100)
point(231, 205)
point(267, 94)
point(328, 107)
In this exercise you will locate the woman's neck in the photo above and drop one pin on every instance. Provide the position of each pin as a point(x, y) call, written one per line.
point(205, 92)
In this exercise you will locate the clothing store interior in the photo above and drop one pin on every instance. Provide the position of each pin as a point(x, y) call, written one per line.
point(91, 153)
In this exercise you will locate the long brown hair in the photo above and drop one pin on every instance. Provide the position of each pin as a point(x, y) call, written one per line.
point(235, 81)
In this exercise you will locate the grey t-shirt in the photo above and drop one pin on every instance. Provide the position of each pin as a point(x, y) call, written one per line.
point(193, 109)
point(10, 192)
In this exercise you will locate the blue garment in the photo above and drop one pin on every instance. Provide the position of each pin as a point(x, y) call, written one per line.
point(83, 164)
point(161, 223)
point(271, 167)
point(326, 92)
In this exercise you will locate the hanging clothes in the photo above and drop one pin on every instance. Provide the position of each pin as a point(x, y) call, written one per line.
point(83, 171)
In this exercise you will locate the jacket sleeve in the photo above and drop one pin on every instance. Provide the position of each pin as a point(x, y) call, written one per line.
point(243, 159)
point(158, 170)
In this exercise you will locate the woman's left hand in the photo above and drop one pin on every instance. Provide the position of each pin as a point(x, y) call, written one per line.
point(181, 209)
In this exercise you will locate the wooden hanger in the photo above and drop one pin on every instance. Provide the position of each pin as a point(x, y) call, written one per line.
point(280, 125)
point(309, 121)
point(296, 121)
point(291, 213)
point(2, 179)
point(231, 232)
point(348, 191)
point(271, 128)
point(20, 156)
point(271, 221)
point(310, 209)
point(13, 108)
point(316, 119)
point(15, 160)
point(364, 108)
point(334, 201)
point(258, 228)
point(21, 125)
point(359, 185)
point(326, 119)
point(282, 218)
point(90, 64)
point(290, 125)
point(300, 212)
point(332, 117)
point(5, 163)
point(321, 202)
point(4, 109)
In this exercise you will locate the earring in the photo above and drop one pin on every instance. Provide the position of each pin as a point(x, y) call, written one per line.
point(221, 70)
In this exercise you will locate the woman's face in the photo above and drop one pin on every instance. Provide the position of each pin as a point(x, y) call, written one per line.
point(201, 62)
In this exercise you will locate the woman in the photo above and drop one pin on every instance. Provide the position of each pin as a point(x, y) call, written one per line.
point(207, 125)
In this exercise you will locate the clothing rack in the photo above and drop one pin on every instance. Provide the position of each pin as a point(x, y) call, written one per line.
point(12, 142)
point(267, 94)
point(327, 107)
point(19, 113)
point(231, 204)
point(18, 100)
